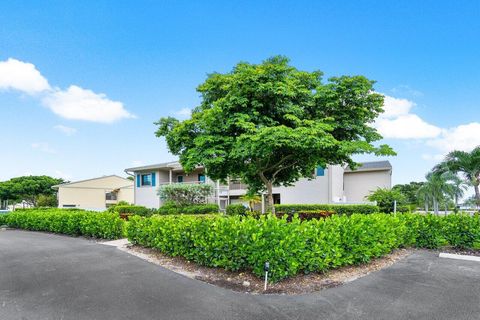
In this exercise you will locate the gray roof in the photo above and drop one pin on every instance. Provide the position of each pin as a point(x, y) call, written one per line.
point(97, 178)
point(363, 166)
point(372, 166)
point(164, 165)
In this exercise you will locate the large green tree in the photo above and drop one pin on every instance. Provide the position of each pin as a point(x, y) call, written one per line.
point(271, 124)
point(410, 191)
point(28, 188)
point(466, 164)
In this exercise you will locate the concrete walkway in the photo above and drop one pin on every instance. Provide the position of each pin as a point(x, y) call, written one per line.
point(44, 276)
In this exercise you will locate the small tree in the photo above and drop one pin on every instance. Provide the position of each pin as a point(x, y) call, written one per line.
point(252, 200)
point(185, 194)
point(47, 201)
point(410, 191)
point(271, 124)
point(385, 199)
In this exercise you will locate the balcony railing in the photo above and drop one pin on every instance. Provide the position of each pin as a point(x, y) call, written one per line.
point(183, 182)
point(237, 185)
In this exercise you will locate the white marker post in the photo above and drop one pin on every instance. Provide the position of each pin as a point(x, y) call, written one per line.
point(394, 206)
point(266, 267)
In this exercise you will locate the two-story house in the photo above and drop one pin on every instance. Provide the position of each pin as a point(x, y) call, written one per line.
point(334, 184)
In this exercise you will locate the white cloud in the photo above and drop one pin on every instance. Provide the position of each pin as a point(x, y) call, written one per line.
point(394, 107)
point(397, 122)
point(74, 103)
point(183, 113)
point(22, 76)
point(66, 130)
point(408, 126)
point(464, 137)
point(82, 104)
point(44, 147)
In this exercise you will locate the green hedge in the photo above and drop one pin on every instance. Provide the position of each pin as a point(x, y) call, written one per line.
point(306, 214)
point(170, 208)
point(245, 243)
point(342, 209)
point(3, 219)
point(131, 209)
point(71, 222)
point(236, 210)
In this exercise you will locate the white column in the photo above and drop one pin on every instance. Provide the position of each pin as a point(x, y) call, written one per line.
point(218, 193)
point(171, 176)
point(263, 203)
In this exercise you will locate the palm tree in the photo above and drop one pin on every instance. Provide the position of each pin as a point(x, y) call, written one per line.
point(465, 163)
point(424, 193)
point(252, 200)
point(435, 189)
point(458, 186)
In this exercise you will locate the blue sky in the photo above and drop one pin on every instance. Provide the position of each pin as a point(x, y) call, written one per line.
point(81, 82)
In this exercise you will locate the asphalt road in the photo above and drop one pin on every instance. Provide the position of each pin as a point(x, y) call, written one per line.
point(44, 276)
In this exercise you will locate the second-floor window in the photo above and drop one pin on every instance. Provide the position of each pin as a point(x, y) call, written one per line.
point(146, 180)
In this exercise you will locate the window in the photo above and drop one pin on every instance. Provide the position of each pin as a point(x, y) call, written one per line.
point(201, 178)
point(320, 172)
point(111, 196)
point(179, 179)
point(146, 180)
point(276, 198)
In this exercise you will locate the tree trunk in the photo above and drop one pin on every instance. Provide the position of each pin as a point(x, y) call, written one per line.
point(435, 206)
point(270, 204)
point(477, 195)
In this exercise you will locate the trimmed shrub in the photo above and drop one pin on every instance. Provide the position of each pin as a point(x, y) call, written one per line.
point(136, 210)
point(3, 219)
point(236, 210)
point(246, 243)
point(306, 214)
point(71, 222)
point(171, 208)
point(341, 209)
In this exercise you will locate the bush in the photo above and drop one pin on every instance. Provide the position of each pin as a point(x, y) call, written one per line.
point(306, 214)
point(236, 210)
point(136, 210)
point(47, 200)
point(385, 199)
point(185, 194)
point(71, 222)
point(341, 209)
point(246, 243)
point(171, 208)
point(113, 207)
point(3, 219)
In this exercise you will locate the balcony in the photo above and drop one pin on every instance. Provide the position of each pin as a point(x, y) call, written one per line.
point(237, 185)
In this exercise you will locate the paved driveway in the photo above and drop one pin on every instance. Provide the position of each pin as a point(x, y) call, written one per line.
point(44, 276)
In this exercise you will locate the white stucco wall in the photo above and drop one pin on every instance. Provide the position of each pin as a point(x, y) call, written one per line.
point(306, 191)
point(359, 184)
point(90, 194)
point(147, 195)
point(336, 184)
